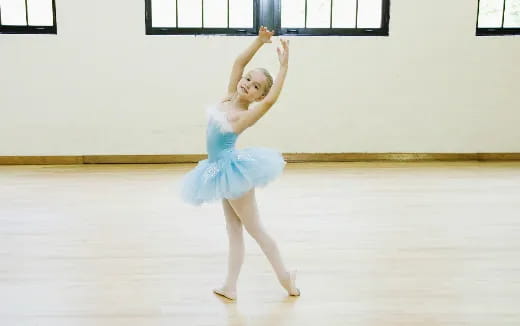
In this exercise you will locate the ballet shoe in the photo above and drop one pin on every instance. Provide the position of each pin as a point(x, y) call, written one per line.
point(293, 290)
point(225, 294)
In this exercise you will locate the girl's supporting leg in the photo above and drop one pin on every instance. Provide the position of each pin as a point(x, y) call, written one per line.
point(246, 208)
point(236, 251)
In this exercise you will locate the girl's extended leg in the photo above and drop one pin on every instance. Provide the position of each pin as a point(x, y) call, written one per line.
point(236, 251)
point(246, 208)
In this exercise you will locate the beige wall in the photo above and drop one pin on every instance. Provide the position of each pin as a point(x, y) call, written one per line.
point(101, 86)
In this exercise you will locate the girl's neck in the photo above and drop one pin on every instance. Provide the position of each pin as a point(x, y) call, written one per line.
point(239, 103)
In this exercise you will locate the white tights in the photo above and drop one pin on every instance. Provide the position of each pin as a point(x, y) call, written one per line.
point(244, 211)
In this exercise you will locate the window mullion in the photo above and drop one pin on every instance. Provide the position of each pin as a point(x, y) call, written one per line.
point(503, 13)
point(277, 17)
point(267, 14)
point(357, 6)
point(331, 5)
point(26, 14)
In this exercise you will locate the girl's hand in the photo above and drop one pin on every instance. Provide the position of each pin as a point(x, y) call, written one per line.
point(283, 57)
point(264, 35)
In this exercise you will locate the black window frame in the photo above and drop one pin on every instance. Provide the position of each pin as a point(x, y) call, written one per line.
point(268, 13)
point(30, 29)
point(496, 31)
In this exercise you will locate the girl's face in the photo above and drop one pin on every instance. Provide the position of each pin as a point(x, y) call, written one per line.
point(252, 86)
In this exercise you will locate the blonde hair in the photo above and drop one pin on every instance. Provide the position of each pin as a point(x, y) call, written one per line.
point(269, 80)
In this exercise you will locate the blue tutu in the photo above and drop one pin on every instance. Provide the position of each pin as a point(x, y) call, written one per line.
point(228, 172)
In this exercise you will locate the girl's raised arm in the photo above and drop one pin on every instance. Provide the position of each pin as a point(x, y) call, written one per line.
point(274, 92)
point(252, 116)
point(264, 36)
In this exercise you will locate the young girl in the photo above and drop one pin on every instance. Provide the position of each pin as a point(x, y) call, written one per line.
point(231, 175)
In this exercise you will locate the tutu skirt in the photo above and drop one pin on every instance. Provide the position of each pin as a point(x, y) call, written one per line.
point(231, 174)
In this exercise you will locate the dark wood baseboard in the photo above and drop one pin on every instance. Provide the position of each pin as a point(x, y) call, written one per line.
point(290, 157)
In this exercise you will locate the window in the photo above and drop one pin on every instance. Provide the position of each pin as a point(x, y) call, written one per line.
point(286, 17)
point(498, 17)
point(333, 17)
point(28, 16)
point(227, 17)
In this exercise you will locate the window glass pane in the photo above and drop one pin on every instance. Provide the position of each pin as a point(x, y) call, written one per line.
point(369, 13)
point(512, 14)
point(490, 13)
point(215, 13)
point(318, 13)
point(241, 13)
point(344, 14)
point(293, 13)
point(13, 12)
point(40, 12)
point(190, 13)
point(163, 13)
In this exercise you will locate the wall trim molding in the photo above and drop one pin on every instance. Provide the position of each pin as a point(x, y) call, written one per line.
point(289, 157)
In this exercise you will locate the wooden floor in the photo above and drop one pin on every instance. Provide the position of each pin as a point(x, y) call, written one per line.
point(374, 243)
